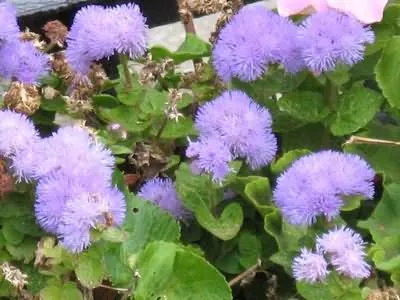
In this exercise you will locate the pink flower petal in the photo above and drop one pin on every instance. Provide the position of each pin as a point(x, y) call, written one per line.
point(366, 11)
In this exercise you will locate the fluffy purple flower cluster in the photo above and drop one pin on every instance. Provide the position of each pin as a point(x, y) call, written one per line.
point(257, 37)
point(18, 59)
point(232, 126)
point(343, 247)
point(74, 190)
point(99, 32)
point(162, 192)
point(316, 184)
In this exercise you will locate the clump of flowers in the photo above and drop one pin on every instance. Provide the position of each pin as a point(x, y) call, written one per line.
point(99, 32)
point(74, 191)
point(343, 247)
point(232, 126)
point(331, 38)
point(253, 39)
point(316, 184)
point(162, 192)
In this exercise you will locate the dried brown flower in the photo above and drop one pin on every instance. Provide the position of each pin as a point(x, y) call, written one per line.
point(386, 294)
point(207, 6)
point(60, 66)
point(23, 98)
point(6, 180)
point(14, 275)
point(228, 11)
point(56, 32)
point(33, 37)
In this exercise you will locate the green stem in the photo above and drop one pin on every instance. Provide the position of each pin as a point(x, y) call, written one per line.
point(331, 96)
point(128, 77)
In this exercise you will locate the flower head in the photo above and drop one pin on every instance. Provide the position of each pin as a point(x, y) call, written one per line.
point(366, 11)
point(241, 124)
point(17, 133)
point(21, 60)
point(73, 151)
point(315, 185)
point(162, 192)
point(210, 155)
point(89, 210)
point(9, 30)
point(330, 38)
point(310, 267)
point(99, 32)
point(346, 250)
point(254, 38)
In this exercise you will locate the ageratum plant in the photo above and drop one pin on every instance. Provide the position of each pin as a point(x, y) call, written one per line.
point(270, 170)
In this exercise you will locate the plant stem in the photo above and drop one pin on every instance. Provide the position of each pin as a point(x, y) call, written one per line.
point(245, 274)
point(186, 16)
point(370, 141)
point(128, 77)
point(163, 124)
point(331, 93)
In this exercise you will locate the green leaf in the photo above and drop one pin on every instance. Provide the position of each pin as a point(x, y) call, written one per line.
point(383, 158)
point(258, 192)
point(304, 105)
point(250, 249)
point(387, 71)
point(192, 48)
point(27, 225)
point(57, 104)
point(177, 129)
point(127, 116)
point(10, 233)
point(226, 226)
point(119, 273)
point(275, 81)
point(90, 270)
point(335, 287)
point(170, 272)
point(24, 251)
point(290, 239)
point(68, 291)
point(200, 195)
point(355, 109)
point(104, 100)
point(144, 224)
point(120, 149)
point(15, 205)
point(383, 34)
point(154, 102)
point(114, 234)
point(287, 159)
point(340, 75)
point(384, 227)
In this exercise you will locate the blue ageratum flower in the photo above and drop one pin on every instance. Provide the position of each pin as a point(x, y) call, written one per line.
point(99, 32)
point(210, 155)
point(309, 266)
point(19, 142)
point(253, 39)
point(73, 151)
point(9, 30)
point(331, 38)
point(315, 185)
point(89, 210)
point(162, 192)
point(346, 250)
point(20, 60)
point(242, 125)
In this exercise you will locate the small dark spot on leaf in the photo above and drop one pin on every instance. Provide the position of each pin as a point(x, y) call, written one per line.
point(135, 210)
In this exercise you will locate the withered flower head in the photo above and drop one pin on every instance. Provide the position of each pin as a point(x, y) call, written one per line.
point(56, 32)
point(23, 98)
